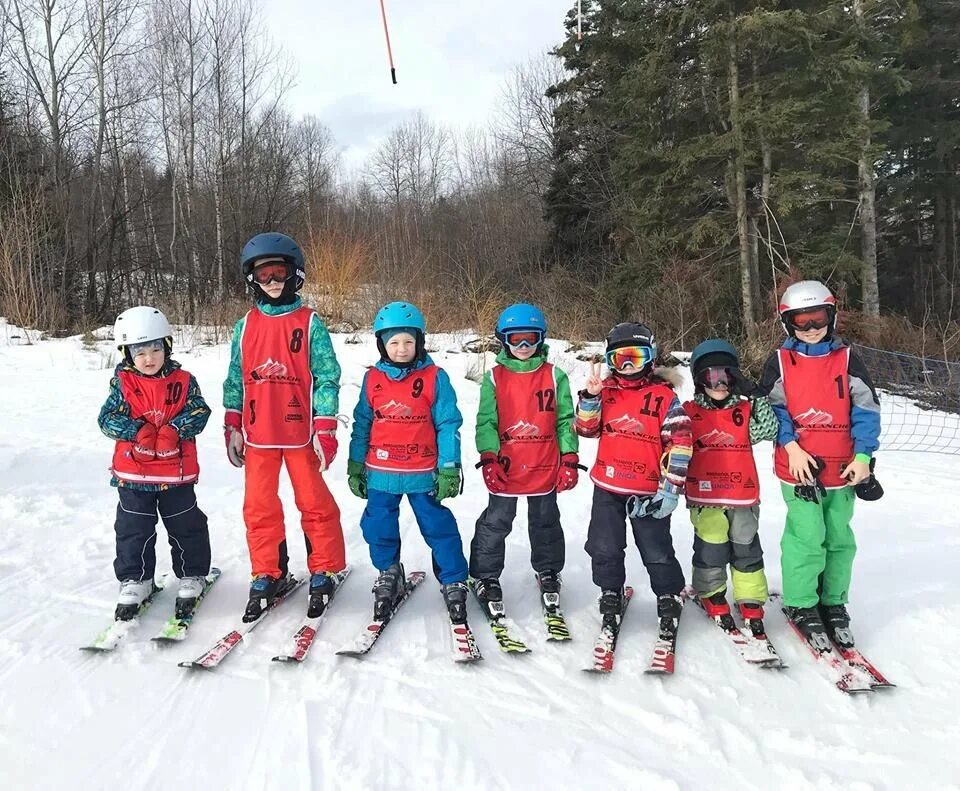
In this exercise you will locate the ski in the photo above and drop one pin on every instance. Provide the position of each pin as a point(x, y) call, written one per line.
point(500, 625)
point(176, 629)
point(464, 643)
point(372, 631)
point(845, 677)
point(856, 659)
point(753, 650)
point(299, 644)
point(110, 637)
point(605, 646)
point(210, 659)
point(664, 654)
point(553, 617)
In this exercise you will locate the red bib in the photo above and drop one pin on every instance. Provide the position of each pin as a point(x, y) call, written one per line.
point(817, 391)
point(722, 470)
point(155, 399)
point(630, 450)
point(277, 381)
point(527, 425)
point(402, 437)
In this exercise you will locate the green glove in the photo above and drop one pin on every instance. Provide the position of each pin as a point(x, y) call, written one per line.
point(357, 478)
point(448, 482)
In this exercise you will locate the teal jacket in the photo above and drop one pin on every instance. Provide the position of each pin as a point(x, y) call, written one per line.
point(446, 420)
point(323, 365)
point(116, 422)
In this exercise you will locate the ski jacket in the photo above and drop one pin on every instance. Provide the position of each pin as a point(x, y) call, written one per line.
point(322, 361)
point(645, 439)
point(445, 418)
point(807, 384)
point(118, 421)
point(526, 417)
point(722, 471)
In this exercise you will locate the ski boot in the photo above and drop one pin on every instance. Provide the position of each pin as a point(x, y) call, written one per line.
point(386, 590)
point(836, 622)
point(133, 593)
point(549, 582)
point(455, 597)
point(669, 607)
point(611, 608)
point(322, 585)
point(187, 595)
point(488, 590)
point(717, 608)
point(752, 614)
point(808, 622)
point(263, 589)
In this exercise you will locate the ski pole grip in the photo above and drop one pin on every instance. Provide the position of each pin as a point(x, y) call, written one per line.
point(393, 75)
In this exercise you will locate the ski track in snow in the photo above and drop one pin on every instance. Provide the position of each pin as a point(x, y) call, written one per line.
point(407, 716)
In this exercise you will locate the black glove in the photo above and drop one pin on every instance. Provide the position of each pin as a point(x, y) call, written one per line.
point(869, 488)
point(812, 492)
point(742, 385)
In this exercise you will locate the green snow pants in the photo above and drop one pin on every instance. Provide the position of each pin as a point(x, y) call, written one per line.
point(817, 548)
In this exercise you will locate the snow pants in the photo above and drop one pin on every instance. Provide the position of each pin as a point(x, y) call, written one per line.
point(136, 529)
point(725, 536)
point(488, 547)
point(607, 540)
point(263, 513)
point(817, 548)
point(380, 525)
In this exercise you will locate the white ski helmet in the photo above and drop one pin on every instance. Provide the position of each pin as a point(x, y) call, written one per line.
point(142, 324)
point(807, 295)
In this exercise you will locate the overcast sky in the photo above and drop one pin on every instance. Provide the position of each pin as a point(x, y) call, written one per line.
point(452, 57)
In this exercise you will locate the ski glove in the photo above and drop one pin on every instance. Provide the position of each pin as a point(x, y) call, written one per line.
point(494, 476)
point(449, 483)
point(233, 437)
point(742, 385)
point(325, 440)
point(357, 478)
point(144, 444)
point(658, 506)
point(816, 491)
point(168, 442)
point(869, 489)
point(568, 474)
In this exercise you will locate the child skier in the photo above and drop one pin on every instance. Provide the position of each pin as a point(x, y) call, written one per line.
point(641, 465)
point(406, 441)
point(723, 489)
point(281, 396)
point(829, 428)
point(153, 412)
point(527, 448)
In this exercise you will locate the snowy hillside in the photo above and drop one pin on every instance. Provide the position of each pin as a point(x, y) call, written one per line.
point(407, 717)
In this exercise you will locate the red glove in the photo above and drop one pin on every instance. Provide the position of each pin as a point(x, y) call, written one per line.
point(233, 437)
point(168, 442)
point(494, 476)
point(325, 440)
point(144, 444)
point(568, 475)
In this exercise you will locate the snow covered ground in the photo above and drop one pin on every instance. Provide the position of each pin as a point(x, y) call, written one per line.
point(407, 717)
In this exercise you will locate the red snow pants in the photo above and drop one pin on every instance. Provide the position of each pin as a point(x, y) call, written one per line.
point(263, 513)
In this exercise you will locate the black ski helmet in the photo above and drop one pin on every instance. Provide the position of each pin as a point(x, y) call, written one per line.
point(277, 246)
point(632, 333)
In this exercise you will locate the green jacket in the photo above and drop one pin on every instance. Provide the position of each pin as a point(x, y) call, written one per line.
point(323, 365)
point(488, 435)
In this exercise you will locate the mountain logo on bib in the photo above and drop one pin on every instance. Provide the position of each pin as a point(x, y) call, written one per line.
point(521, 430)
point(156, 416)
point(715, 438)
point(814, 417)
point(271, 371)
point(626, 425)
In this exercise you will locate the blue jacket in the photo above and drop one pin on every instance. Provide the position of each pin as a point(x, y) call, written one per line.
point(446, 419)
point(864, 403)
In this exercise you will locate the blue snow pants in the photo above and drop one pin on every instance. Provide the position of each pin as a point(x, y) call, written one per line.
point(380, 525)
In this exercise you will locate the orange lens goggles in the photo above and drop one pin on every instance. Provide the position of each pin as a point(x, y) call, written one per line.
point(271, 273)
point(805, 320)
point(635, 356)
point(520, 338)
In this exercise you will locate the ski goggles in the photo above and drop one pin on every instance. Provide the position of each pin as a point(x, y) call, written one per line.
point(146, 347)
point(714, 378)
point(805, 320)
point(518, 339)
point(271, 273)
point(634, 356)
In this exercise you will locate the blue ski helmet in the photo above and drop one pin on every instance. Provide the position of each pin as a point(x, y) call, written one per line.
point(714, 352)
point(521, 316)
point(397, 315)
point(273, 245)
